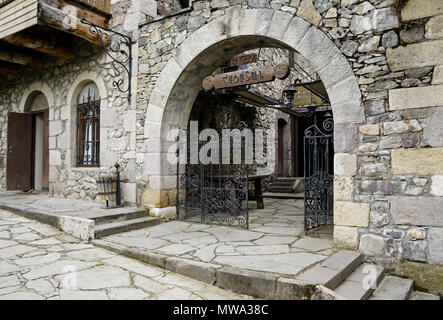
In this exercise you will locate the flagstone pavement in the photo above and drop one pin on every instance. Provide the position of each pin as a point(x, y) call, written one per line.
point(275, 241)
point(40, 262)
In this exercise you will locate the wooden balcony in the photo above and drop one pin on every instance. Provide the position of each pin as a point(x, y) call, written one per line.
point(99, 5)
point(32, 29)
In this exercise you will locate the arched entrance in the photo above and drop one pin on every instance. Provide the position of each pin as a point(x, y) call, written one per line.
point(28, 145)
point(237, 31)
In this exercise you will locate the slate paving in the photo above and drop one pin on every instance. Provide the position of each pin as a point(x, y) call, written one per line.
point(275, 241)
point(40, 262)
point(53, 206)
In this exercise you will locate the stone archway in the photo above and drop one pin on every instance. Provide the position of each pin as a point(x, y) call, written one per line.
point(28, 140)
point(31, 91)
point(238, 30)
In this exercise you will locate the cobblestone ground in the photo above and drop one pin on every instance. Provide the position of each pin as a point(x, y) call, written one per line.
point(274, 242)
point(40, 262)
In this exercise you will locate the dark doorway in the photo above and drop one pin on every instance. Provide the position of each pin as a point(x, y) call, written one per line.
point(282, 156)
point(28, 151)
point(19, 157)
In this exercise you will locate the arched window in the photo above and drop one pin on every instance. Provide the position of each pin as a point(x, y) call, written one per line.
point(88, 126)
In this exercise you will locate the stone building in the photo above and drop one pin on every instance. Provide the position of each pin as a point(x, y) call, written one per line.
point(379, 60)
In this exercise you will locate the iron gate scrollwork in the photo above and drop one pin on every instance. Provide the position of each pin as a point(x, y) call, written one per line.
point(318, 175)
point(217, 191)
point(189, 181)
point(225, 187)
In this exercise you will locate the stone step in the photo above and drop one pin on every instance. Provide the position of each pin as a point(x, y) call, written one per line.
point(117, 215)
point(364, 270)
point(286, 185)
point(285, 189)
point(281, 186)
point(344, 261)
point(330, 278)
point(358, 285)
point(282, 183)
point(393, 288)
point(288, 179)
point(108, 229)
point(351, 290)
point(333, 272)
point(417, 295)
point(283, 195)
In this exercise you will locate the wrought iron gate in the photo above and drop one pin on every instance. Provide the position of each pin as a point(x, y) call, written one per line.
point(216, 191)
point(318, 175)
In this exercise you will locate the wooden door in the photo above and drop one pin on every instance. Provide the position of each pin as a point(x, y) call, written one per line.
point(45, 178)
point(19, 157)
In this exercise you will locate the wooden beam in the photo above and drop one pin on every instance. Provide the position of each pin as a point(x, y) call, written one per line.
point(67, 22)
point(39, 45)
point(81, 12)
point(19, 58)
point(8, 70)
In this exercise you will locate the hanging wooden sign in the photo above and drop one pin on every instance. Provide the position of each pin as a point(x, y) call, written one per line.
point(244, 77)
point(243, 59)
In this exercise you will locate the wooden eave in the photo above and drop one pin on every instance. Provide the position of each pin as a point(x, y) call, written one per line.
point(21, 45)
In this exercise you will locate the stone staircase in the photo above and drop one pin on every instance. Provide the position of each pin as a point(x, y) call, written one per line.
point(345, 272)
point(286, 185)
point(106, 224)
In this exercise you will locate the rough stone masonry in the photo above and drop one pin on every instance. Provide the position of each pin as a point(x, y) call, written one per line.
point(386, 100)
point(381, 62)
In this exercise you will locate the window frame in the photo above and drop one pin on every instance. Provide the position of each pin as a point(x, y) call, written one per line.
point(82, 128)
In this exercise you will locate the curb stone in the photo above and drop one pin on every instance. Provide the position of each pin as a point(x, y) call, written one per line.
point(253, 283)
point(323, 293)
point(293, 289)
point(35, 215)
point(155, 259)
point(205, 272)
point(258, 284)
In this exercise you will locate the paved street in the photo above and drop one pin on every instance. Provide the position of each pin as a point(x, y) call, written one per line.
point(275, 240)
point(40, 262)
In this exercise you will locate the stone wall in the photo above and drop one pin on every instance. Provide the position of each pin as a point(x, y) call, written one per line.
point(62, 80)
point(399, 154)
point(386, 105)
point(382, 68)
point(398, 158)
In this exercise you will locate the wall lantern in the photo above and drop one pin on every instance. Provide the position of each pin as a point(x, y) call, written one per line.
point(289, 94)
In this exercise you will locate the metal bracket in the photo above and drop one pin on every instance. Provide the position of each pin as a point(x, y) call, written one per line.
point(118, 47)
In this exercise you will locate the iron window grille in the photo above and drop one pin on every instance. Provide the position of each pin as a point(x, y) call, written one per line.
point(88, 124)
